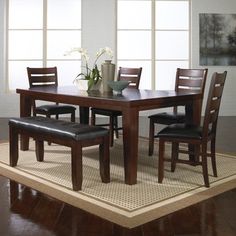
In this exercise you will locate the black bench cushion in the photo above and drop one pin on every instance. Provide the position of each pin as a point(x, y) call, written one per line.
point(55, 109)
point(59, 128)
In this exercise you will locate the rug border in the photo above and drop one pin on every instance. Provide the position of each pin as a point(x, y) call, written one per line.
point(115, 214)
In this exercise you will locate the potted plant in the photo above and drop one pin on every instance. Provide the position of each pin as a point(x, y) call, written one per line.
point(90, 75)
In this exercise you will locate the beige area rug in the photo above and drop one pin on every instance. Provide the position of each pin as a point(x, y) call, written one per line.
point(122, 204)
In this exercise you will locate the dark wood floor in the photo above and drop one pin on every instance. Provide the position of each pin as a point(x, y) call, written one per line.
point(26, 212)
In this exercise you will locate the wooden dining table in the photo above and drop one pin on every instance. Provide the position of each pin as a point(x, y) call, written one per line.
point(130, 103)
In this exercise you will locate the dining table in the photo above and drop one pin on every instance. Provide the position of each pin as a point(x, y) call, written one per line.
point(130, 103)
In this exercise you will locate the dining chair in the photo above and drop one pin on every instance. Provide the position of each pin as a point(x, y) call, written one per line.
point(186, 79)
point(129, 74)
point(193, 134)
point(47, 76)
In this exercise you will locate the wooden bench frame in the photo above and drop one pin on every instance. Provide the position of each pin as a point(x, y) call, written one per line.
point(76, 152)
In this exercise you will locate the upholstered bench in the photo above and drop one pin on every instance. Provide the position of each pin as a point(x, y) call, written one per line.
point(65, 133)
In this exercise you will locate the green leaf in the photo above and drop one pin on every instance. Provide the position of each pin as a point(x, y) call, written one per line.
point(90, 83)
point(80, 75)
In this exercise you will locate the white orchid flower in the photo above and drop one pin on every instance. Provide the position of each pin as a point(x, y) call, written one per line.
point(82, 51)
point(90, 74)
point(109, 52)
point(102, 51)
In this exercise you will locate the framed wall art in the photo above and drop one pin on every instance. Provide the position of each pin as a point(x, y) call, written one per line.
point(217, 39)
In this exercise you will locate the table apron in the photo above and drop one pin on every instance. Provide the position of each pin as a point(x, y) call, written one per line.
point(111, 104)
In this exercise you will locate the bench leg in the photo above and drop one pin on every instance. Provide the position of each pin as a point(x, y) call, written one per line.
point(104, 160)
point(76, 166)
point(14, 150)
point(39, 150)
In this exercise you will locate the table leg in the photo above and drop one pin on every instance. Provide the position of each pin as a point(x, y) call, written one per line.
point(84, 115)
point(25, 110)
point(130, 142)
point(193, 114)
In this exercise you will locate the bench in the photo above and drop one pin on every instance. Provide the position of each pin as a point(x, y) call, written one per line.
point(65, 133)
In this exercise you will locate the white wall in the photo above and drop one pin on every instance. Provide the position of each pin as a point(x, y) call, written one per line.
point(228, 105)
point(9, 103)
point(98, 30)
point(98, 25)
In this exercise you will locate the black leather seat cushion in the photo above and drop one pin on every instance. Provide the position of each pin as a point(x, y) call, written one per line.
point(182, 131)
point(59, 128)
point(55, 109)
point(168, 118)
point(106, 112)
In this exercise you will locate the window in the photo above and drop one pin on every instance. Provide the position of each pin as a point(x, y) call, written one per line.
point(39, 33)
point(153, 34)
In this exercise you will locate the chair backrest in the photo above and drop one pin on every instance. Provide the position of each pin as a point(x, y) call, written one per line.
point(130, 74)
point(42, 76)
point(190, 80)
point(213, 103)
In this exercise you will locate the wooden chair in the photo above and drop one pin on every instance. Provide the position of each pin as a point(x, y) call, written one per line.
point(47, 77)
point(128, 74)
point(196, 135)
point(186, 79)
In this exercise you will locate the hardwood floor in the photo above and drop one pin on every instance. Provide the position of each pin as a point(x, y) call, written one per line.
point(26, 212)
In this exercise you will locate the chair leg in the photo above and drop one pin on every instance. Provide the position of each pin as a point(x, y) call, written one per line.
point(14, 150)
point(213, 157)
point(204, 166)
point(116, 126)
point(39, 150)
point(48, 116)
point(104, 160)
point(194, 154)
point(111, 130)
point(76, 166)
point(174, 155)
point(161, 160)
point(93, 117)
point(72, 116)
point(151, 138)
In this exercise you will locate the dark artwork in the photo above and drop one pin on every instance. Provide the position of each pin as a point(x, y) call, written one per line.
point(217, 39)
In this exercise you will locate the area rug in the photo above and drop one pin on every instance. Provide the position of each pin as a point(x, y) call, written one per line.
point(117, 202)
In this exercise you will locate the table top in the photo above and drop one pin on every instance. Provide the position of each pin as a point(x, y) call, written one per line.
point(128, 95)
point(130, 98)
